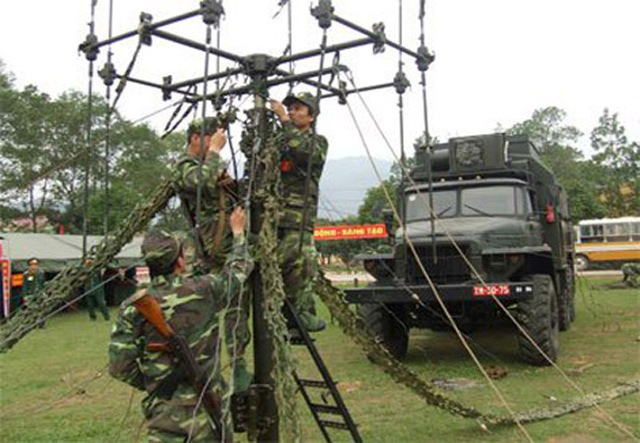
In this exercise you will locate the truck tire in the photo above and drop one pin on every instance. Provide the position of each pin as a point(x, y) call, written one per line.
point(582, 263)
point(538, 316)
point(566, 303)
point(387, 327)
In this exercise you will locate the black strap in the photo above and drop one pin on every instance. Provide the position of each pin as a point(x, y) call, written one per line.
point(168, 386)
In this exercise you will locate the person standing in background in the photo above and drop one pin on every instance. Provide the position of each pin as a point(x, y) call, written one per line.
point(94, 290)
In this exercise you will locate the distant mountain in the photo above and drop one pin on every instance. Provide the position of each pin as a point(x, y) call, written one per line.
point(344, 183)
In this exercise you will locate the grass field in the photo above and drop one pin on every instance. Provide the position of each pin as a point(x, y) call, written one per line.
point(54, 385)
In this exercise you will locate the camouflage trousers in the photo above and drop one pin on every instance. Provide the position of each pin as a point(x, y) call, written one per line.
point(299, 267)
point(236, 319)
point(171, 423)
point(236, 327)
point(94, 300)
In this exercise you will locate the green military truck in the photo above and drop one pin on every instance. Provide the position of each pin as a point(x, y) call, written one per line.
point(500, 229)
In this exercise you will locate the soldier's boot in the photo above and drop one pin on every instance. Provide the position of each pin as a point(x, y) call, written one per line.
point(306, 307)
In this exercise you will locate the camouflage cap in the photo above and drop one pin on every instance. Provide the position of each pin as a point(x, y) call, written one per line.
point(306, 98)
point(195, 127)
point(160, 248)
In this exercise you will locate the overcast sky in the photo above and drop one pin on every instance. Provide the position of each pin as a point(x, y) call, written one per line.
point(496, 60)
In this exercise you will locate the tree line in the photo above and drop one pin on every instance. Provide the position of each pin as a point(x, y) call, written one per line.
point(606, 185)
point(46, 161)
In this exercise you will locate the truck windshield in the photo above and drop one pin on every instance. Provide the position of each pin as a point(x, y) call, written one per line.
point(473, 201)
point(444, 204)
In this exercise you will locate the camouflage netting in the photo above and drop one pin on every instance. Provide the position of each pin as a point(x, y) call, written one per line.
point(61, 288)
point(267, 195)
point(333, 299)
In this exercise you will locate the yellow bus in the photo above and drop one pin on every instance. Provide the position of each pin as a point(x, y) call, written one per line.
point(607, 240)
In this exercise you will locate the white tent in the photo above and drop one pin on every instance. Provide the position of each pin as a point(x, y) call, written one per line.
point(57, 251)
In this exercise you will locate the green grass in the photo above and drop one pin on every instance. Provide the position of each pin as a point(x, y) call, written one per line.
point(54, 386)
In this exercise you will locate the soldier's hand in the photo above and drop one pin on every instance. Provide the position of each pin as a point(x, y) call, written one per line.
point(237, 221)
point(218, 140)
point(279, 110)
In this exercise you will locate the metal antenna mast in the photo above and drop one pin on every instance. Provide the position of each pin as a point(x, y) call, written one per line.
point(262, 72)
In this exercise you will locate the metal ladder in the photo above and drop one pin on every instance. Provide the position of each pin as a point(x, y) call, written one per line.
point(311, 390)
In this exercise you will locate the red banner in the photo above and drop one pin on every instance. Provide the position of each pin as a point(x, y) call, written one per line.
point(349, 232)
point(6, 285)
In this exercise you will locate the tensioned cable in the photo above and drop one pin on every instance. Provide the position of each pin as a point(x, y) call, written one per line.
point(217, 359)
point(197, 225)
point(427, 136)
point(217, 104)
point(400, 91)
point(423, 76)
point(123, 80)
point(400, 98)
point(330, 208)
point(107, 143)
point(89, 131)
point(39, 408)
point(498, 301)
point(219, 344)
point(82, 152)
point(203, 150)
point(289, 49)
point(228, 305)
point(307, 181)
point(290, 33)
point(126, 414)
point(434, 289)
point(72, 301)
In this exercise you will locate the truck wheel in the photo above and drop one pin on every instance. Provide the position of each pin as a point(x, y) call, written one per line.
point(387, 327)
point(567, 303)
point(582, 263)
point(538, 316)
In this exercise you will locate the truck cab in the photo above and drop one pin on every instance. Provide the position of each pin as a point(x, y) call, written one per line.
point(485, 227)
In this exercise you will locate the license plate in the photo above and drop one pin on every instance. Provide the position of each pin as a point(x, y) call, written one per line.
point(489, 290)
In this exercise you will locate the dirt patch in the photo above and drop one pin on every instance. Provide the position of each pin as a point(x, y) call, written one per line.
point(347, 387)
point(573, 438)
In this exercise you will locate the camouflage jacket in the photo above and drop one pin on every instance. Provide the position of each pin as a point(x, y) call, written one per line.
point(192, 306)
point(32, 284)
point(215, 201)
point(302, 153)
point(631, 274)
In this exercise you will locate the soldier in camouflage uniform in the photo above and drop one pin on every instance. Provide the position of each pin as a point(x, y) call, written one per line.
point(213, 238)
point(191, 306)
point(33, 280)
point(94, 290)
point(303, 156)
point(631, 274)
point(216, 195)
